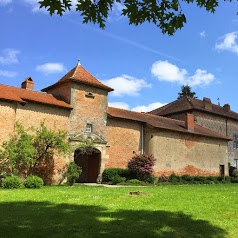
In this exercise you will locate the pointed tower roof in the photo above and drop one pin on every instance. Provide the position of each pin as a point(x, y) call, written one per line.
point(81, 75)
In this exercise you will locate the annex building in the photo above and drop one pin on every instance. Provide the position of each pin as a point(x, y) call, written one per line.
point(185, 136)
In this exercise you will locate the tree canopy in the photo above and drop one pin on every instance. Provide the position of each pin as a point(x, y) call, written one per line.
point(186, 91)
point(168, 15)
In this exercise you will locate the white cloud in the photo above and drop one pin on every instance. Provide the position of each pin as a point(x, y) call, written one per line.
point(122, 105)
point(51, 68)
point(201, 77)
point(10, 56)
point(203, 34)
point(126, 85)
point(5, 2)
point(142, 108)
point(165, 71)
point(228, 43)
point(7, 74)
point(148, 108)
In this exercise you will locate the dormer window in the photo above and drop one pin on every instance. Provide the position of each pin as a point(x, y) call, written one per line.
point(89, 128)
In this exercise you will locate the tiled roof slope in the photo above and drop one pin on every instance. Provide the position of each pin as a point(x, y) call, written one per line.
point(81, 75)
point(163, 122)
point(21, 95)
point(188, 104)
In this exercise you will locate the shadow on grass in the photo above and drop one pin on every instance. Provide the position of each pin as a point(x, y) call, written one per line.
point(43, 219)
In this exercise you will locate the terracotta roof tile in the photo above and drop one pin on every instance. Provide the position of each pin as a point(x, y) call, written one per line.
point(23, 95)
point(163, 122)
point(188, 104)
point(80, 74)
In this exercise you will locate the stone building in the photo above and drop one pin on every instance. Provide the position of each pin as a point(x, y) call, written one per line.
point(220, 119)
point(78, 104)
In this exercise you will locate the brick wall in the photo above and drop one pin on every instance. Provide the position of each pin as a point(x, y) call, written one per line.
point(7, 119)
point(88, 109)
point(32, 114)
point(123, 139)
point(62, 92)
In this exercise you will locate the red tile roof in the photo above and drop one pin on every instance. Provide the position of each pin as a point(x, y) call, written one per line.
point(186, 104)
point(21, 95)
point(81, 75)
point(163, 122)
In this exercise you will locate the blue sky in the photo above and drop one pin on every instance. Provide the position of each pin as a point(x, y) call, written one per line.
point(145, 67)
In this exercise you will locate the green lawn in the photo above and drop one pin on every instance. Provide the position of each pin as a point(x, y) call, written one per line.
point(194, 211)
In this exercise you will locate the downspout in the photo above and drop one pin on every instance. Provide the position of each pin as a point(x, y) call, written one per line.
point(15, 119)
point(226, 127)
point(142, 138)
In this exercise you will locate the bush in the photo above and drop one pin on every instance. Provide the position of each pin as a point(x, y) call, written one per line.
point(109, 174)
point(163, 178)
point(234, 180)
point(235, 173)
point(118, 179)
point(187, 178)
point(11, 182)
point(33, 182)
point(142, 166)
point(134, 181)
point(73, 173)
point(173, 178)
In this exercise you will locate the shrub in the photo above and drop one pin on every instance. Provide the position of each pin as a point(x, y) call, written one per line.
point(200, 178)
point(109, 174)
point(187, 178)
point(173, 178)
point(142, 166)
point(33, 182)
point(164, 178)
point(73, 172)
point(134, 181)
point(234, 180)
point(118, 179)
point(235, 173)
point(11, 182)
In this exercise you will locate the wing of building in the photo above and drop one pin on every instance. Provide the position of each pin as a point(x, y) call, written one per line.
point(220, 119)
point(78, 104)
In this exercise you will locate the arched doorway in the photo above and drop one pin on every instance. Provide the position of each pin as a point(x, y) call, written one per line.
point(90, 164)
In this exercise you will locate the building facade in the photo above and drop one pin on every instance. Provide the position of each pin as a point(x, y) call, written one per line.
point(220, 119)
point(78, 104)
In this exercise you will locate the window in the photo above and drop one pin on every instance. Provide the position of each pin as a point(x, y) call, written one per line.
point(235, 141)
point(89, 128)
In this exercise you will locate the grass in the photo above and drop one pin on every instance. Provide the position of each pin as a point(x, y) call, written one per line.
point(209, 211)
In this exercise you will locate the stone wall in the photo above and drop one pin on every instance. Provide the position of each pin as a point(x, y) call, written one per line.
point(185, 154)
point(221, 125)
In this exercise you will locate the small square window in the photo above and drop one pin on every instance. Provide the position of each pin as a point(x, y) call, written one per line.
point(89, 128)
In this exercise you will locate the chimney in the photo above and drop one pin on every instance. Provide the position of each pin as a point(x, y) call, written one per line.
point(227, 107)
point(28, 84)
point(189, 122)
point(207, 104)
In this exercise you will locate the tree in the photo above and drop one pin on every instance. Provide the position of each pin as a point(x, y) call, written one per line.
point(186, 91)
point(27, 151)
point(165, 14)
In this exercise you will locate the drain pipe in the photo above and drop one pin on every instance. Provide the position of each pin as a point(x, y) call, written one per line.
point(142, 138)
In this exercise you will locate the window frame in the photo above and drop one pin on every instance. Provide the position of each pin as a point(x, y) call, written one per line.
point(89, 128)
